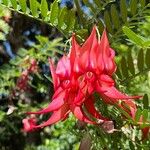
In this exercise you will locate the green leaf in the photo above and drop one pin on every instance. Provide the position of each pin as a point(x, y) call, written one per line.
point(142, 2)
point(146, 43)
point(132, 36)
point(118, 72)
point(123, 9)
point(14, 4)
point(145, 101)
point(44, 8)
point(23, 5)
point(140, 60)
point(138, 115)
point(147, 58)
point(108, 21)
point(33, 7)
point(133, 6)
point(61, 18)
point(145, 115)
point(70, 20)
point(130, 63)
point(124, 67)
point(115, 16)
point(5, 2)
point(98, 3)
point(54, 13)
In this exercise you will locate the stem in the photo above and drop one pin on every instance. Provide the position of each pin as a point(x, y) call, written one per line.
point(38, 19)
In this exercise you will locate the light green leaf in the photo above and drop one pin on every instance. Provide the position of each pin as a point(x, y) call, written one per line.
point(140, 61)
point(54, 13)
point(61, 18)
point(138, 115)
point(145, 115)
point(70, 20)
point(5, 2)
point(146, 43)
point(33, 7)
point(44, 8)
point(14, 4)
point(132, 36)
point(123, 9)
point(23, 5)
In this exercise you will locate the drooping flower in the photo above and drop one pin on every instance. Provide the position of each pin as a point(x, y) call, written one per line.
point(94, 64)
point(66, 93)
point(85, 70)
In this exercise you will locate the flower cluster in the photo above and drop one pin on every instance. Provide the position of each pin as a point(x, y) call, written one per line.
point(85, 70)
point(22, 82)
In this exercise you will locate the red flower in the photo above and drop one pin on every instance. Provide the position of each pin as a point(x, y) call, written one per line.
point(86, 70)
point(22, 82)
point(29, 124)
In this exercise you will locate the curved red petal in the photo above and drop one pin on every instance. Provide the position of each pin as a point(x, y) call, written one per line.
point(90, 44)
point(54, 76)
point(89, 105)
point(113, 93)
point(79, 114)
point(63, 69)
point(56, 116)
point(56, 103)
point(107, 55)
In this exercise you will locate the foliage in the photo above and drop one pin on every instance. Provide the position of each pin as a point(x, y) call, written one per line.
point(128, 26)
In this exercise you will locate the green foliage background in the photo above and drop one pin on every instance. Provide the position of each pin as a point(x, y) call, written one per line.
point(128, 26)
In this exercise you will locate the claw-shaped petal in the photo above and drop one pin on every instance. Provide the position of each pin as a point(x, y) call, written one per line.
point(53, 106)
point(56, 116)
point(79, 114)
point(89, 105)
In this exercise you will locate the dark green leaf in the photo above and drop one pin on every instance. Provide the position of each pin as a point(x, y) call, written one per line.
point(115, 16)
point(118, 72)
point(108, 21)
point(145, 101)
point(133, 6)
point(140, 61)
point(147, 58)
point(123, 9)
point(124, 67)
point(130, 63)
point(142, 2)
point(44, 8)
